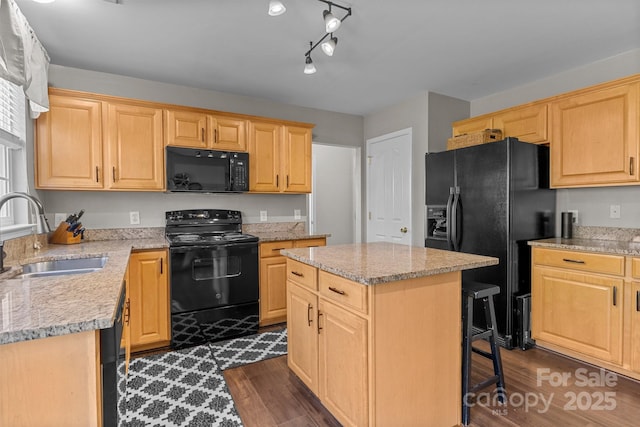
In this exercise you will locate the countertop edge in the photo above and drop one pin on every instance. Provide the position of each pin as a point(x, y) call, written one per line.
point(391, 277)
point(611, 247)
point(281, 236)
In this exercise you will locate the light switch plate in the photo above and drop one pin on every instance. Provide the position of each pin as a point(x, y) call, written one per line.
point(263, 215)
point(575, 216)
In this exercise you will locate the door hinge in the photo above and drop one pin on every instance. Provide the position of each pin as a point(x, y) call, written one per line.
point(369, 216)
point(369, 159)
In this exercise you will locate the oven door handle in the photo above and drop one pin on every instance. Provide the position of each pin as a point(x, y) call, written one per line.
point(209, 279)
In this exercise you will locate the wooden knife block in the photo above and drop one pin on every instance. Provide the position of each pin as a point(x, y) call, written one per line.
point(64, 237)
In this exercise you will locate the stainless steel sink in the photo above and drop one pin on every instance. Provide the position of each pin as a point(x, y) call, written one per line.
point(63, 267)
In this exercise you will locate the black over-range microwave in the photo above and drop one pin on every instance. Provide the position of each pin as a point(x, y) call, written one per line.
point(206, 171)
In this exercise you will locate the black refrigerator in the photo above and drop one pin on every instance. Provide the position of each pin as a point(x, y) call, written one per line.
point(490, 199)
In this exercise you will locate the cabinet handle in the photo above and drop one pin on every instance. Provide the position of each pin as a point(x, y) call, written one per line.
point(615, 296)
point(637, 300)
point(295, 273)
point(287, 181)
point(161, 265)
point(127, 311)
point(215, 136)
point(631, 166)
point(319, 328)
point(114, 173)
point(202, 134)
point(309, 319)
point(277, 249)
point(575, 261)
point(337, 291)
point(277, 180)
point(97, 174)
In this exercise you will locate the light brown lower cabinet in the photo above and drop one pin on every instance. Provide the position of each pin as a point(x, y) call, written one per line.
point(150, 316)
point(585, 305)
point(378, 355)
point(273, 290)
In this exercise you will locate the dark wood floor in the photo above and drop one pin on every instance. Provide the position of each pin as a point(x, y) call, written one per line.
point(268, 394)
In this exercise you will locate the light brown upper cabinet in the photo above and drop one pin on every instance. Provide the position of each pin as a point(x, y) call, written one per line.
point(594, 137)
point(195, 129)
point(68, 147)
point(279, 158)
point(527, 123)
point(89, 143)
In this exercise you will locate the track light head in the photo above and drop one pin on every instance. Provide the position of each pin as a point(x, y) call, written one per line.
point(276, 8)
point(331, 23)
point(309, 68)
point(329, 46)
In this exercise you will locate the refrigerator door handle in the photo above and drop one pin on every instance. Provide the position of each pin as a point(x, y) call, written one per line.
point(455, 238)
point(449, 222)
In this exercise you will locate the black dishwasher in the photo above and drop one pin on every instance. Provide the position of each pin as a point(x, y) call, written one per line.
point(110, 359)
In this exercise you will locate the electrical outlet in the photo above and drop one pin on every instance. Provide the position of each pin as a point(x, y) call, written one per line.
point(59, 217)
point(296, 214)
point(614, 211)
point(134, 218)
point(575, 216)
point(263, 215)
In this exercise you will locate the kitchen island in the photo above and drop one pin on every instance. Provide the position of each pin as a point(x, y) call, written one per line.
point(374, 330)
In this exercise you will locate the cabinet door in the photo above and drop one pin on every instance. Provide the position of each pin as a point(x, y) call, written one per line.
point(229, 134)
point(149, 288)
point(528, 124)
point(186, 129)
point(273, 290)
point(475, 124)
point(343, 368)
point(68, 149)
point(578, 311)
point(264, 157)
point(635, 326)
point(134, 140)
point(297, 159)
point(302, 334)
point(594, 138)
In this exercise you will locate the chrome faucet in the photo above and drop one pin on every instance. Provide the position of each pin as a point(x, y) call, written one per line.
point(42, 225)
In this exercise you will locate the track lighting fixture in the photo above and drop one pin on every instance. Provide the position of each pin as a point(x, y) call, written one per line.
point(328, 46)
point(331, 22)
point(276, 8)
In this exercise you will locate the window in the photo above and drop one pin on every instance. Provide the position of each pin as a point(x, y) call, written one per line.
point(13, 175)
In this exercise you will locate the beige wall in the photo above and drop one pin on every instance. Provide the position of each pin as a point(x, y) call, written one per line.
point(592, 203)
point(111, 209)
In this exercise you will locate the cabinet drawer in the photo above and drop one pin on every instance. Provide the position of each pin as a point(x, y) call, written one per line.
point(582, 261)
point(309, 243)
point(303, 274)
point(344, 291)
point(635, 268)
point(268, 249)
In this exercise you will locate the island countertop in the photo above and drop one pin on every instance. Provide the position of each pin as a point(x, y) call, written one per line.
point(41, 307)
point(380, 262)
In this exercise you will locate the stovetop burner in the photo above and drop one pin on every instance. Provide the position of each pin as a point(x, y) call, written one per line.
point(205, 226)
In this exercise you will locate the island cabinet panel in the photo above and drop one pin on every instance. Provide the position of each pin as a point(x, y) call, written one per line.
point(343, 364)
point(387, 354)
point(635, 315)
point(149, 289)
point(53, 381)
point(594, 137)
point(302, 334)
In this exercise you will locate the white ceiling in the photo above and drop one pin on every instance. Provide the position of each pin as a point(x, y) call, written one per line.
point(388, 51)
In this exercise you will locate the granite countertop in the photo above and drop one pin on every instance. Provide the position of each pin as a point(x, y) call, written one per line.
point(57, 305)
point(274, 236)
point(614, 247)
point(375, 263)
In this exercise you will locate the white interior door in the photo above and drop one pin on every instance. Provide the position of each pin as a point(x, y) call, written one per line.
point(389, 188)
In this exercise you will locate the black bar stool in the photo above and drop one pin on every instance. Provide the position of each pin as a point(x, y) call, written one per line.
point(472, 291)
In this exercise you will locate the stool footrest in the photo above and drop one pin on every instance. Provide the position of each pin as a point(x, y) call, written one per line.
point(482, 353)
point(491, 380)
point(482, 335)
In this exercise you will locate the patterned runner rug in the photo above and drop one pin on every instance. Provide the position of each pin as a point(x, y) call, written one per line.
point(187, 388)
